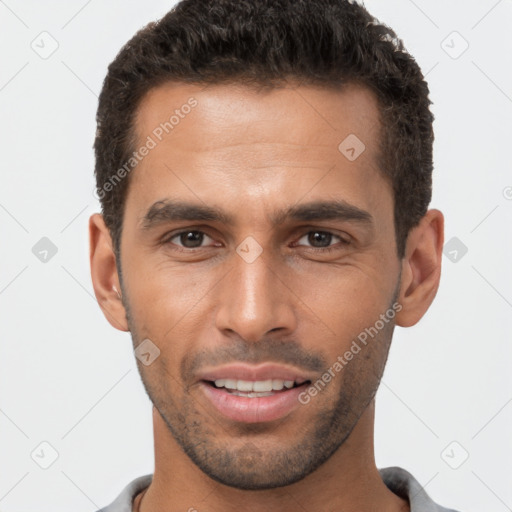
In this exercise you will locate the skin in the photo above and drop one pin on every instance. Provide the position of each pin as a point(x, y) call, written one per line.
point(250, 154)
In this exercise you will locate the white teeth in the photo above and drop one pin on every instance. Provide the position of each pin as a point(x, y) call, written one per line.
point(277, 384)
point(262, 385)
point(244, 385)
point(257, 386)
point(229, 383)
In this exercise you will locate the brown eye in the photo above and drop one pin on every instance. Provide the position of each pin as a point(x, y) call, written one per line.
point(319, 239)
point(190, 239)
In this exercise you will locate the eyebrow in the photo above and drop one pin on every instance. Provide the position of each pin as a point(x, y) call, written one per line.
point(167, 210)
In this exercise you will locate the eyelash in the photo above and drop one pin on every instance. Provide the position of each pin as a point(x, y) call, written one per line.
point(328, 249)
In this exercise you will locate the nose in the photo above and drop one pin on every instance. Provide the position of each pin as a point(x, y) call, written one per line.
point(255, 300)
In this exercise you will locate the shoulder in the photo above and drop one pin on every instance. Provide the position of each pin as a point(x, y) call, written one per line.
point(123, 503)
point(402, 483)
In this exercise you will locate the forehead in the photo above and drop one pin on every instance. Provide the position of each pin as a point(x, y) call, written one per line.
point(228, 139)
point(237, 112)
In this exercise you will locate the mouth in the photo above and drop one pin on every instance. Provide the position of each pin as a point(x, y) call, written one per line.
point(254, 401)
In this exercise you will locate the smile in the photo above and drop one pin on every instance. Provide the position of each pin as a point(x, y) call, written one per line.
point(253, 401)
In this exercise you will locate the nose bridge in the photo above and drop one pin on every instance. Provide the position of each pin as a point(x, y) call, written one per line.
point(253, 299)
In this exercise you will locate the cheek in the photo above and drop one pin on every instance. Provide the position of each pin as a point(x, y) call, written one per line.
point(344, 305)
point(166, 298)
point(156, 282)
point(346, 297)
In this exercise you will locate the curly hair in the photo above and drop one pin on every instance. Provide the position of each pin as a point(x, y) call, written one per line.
point(264, 43)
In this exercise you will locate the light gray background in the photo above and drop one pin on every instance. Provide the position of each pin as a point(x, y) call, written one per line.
point(69, 379)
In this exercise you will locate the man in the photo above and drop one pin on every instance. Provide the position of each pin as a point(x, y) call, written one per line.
point(264, 169)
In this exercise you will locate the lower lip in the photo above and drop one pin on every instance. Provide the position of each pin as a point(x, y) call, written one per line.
point(253, 410)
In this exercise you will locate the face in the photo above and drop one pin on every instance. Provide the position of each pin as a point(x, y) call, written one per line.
point(251, 239)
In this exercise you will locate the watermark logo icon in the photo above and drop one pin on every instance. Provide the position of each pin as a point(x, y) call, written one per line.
point(44, 250)
point(249, 250)
point(455, 455)
point(455, 249)
point(454, 45)
point(146, 352)
point(45, 45)
point(351, 147)
point(44, 455)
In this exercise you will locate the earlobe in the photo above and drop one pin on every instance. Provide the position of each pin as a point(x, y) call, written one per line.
point(421, 268)
point(104, 274)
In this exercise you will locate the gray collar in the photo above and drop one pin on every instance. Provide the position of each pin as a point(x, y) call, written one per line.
point(398, 480)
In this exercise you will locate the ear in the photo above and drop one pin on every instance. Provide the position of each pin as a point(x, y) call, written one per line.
point(421, 268)
point(105, 279)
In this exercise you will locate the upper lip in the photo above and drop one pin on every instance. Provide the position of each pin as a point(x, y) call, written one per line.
point(261, 372)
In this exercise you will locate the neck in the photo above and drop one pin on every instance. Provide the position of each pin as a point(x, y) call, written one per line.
point(349, 480)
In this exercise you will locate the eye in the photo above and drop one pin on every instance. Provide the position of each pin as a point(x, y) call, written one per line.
point(189, 239)
point(321, 239)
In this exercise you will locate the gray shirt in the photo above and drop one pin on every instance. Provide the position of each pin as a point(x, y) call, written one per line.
point(398, 480)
